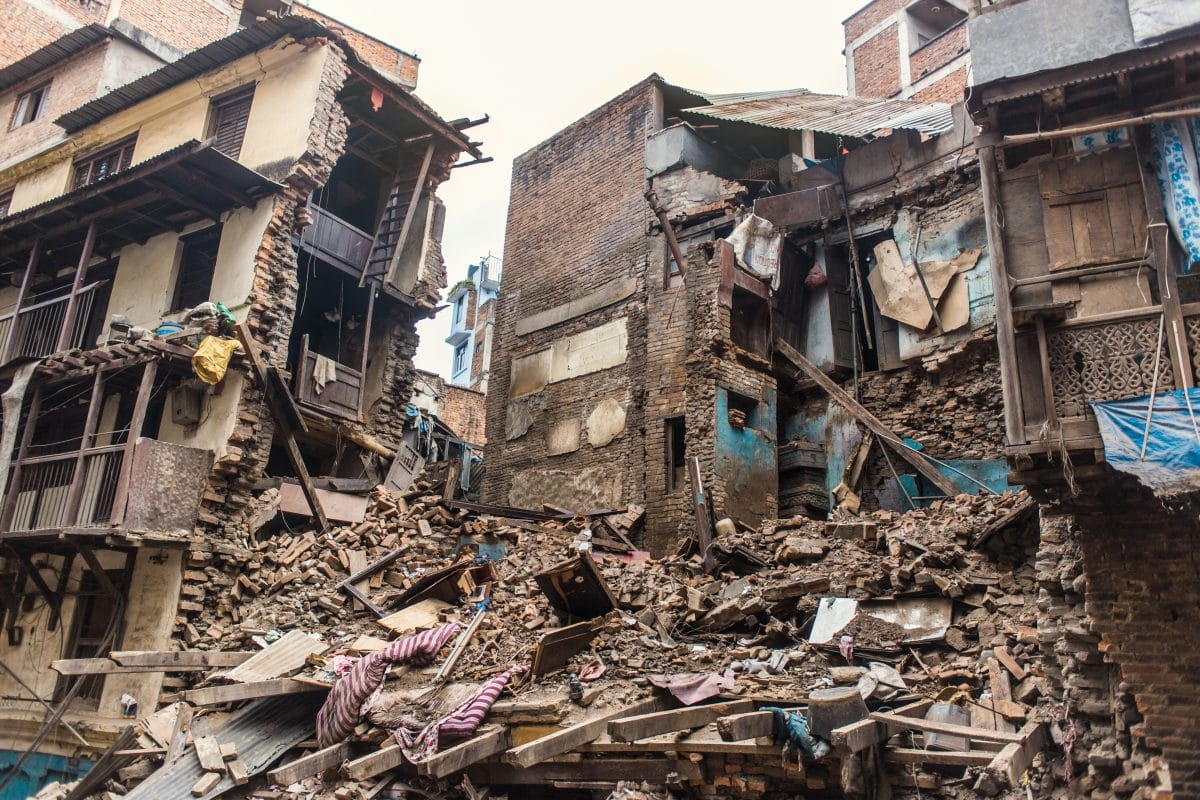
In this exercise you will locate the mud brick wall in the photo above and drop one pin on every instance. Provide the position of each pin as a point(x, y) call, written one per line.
point(1143, 601)
point(1085, 697)
point(877, 64)
point(577, 223)
point(941, 51)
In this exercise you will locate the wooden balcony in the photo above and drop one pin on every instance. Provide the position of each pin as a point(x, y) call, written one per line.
point(337, 241)
point(33, 331)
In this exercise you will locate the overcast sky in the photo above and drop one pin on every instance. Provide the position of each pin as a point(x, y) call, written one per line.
point(535, 67)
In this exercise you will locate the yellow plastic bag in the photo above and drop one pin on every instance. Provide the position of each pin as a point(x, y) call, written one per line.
point(212, 358)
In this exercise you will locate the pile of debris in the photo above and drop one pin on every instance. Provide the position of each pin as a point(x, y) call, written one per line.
point(610, 661)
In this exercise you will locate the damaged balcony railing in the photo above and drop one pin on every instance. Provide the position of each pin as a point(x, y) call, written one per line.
point(34, 331)
point(337, 240)
point(66, 489)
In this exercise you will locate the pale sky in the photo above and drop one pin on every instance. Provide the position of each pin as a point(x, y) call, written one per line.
point(536, 67)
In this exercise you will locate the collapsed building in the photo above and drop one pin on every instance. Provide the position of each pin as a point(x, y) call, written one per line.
point(272, 187)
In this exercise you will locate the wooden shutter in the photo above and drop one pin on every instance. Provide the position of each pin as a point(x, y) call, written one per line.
point(104, 164)
point(230, 115)
point(196, 268)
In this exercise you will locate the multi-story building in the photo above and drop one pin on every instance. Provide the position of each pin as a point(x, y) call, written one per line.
point(1088, 160)
point(472, 317)
point(255, 187)
point(914, 49)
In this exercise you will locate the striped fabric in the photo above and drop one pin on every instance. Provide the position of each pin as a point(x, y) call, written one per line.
point(343, 706)
point(421, 745)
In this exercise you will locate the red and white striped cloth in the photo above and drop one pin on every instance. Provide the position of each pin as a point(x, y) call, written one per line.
point(344, 705)
point(422, 744)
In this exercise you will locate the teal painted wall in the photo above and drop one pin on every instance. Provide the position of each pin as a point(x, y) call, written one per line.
point(37, 771)
point(747, 459)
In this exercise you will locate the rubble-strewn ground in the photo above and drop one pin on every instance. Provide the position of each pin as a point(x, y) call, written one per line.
point(747, 626)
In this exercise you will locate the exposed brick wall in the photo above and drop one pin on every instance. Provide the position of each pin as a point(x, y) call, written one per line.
point(74, 83)
point(948, 89)
point(380, 54)
point(877, 64)
point(462, 409)
point(481, 341)
point(577, 220)
point(939, 52)
point(1143, 598)
point(184, 25)
point(24, 28)
point(869, 16)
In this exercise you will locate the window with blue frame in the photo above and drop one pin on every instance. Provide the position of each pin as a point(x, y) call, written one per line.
point(460, 358)
point(460, 306)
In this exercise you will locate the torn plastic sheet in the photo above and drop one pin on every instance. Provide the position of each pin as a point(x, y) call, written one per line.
point(757, 245)
point(1172, 461)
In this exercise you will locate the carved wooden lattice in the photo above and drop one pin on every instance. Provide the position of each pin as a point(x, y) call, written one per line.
point(1106, 362)
point(1193, 339)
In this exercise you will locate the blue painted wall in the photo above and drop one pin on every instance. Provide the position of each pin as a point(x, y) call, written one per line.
point(747, 459)
point(37, 771)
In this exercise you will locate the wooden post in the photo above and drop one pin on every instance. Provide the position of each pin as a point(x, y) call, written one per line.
point(704, 523)
point(68, 329)
point(1010, 379)
point(75, 494)
point(10, 340)
point(145, 389)
point(366, 344)
point(413, 201)
point(14, 485)
point(1164, 263)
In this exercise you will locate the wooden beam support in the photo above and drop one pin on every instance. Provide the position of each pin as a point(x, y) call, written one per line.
point(703, 521)
point(909, 755)
point(858, 736)
point(564, 741)
point(750, 725)
point(869, 420)
point(10, 339)
point(311, 764)
point(464, 754)
point(643, 726)
point(138, 418)
point(167, 660)
point(414, 200)
point(1016, 757)
point(900, 723)
point(68, 323)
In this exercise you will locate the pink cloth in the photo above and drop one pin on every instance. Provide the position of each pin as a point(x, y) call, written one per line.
point(421, 745)
point(343, 706)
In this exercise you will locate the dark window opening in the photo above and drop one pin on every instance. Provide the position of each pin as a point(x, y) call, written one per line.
point(750, 322)
point(743, 411)
point(197, 264)
point(30, 106)
point(228, 118)
point(96, 629)
point(674, 434)
point(5, 202)
point(255, 11)
point(356, 192)
point(104, 164)
point(929, 19)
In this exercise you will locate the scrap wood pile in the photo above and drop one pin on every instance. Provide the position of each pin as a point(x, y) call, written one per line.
point(446, 647)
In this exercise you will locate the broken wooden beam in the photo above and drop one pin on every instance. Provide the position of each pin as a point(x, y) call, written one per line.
point(105, 666)
point(566, 740)
point(179, 660)
point(869, 420)
point(895, 722)
point(208, 751)
point(858, 736)
point(311, 764)
point(912, 755)
point(213, 695)
point(464, 754)
point(372, 764)
point(643, 726)
point(1016, 757)
point(751, 725)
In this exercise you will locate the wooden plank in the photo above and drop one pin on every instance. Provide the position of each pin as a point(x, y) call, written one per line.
point(899, 723)
point(205, 784)
point(651, 770)
point(872, 423)
point(643, 726)
point(309, 765)
point(213, 695)
point(860, 735)
point(1010, 663)
point(907, 755)
point(1015, 758)
point(702, 741)
point(167, 659)
point(564, 741)
point(750, 725)
point(703, 522)
point(179, 735)
point(104, 666)
point(419, 615)
point(464, 754)
point(372, 764)
point(239, 772)
point(208, 750)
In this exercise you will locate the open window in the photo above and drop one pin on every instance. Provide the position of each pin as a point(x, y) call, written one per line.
point(227, 120)
point(675, 440)
point(197, 265)
point(30, 105)
point(929, 19)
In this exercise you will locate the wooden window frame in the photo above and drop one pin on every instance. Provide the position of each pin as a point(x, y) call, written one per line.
point(219, 106)
point(121, 576)
point(86, 166)
point(21, 118)
point(186, 243)
point(6, 198)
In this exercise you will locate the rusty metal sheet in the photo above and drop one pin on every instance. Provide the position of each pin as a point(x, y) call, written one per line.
point(828, 113)
point(280, 658)
point(165, 485)
point(338, 506)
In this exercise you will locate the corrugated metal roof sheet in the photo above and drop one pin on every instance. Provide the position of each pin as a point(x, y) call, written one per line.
point(53, 53)
point(828, 113)
point(279, 658)
point(262, 731)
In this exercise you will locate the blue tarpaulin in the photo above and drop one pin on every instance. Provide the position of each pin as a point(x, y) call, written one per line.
point(1172, 461)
